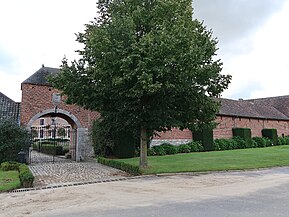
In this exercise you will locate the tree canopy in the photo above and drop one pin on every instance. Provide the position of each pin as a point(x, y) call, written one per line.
point(146, 65)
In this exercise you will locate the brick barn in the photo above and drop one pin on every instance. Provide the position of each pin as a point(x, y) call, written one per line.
point(255, 114)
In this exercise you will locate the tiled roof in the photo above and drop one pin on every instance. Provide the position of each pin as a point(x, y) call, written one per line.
point(276, 108)
point(9, 110)
point(258, 108)
point(40, 77)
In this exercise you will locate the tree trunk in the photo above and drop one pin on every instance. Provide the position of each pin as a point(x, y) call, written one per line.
point(143, 148)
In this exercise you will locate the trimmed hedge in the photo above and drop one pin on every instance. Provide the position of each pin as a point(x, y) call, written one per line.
point(134, 170)
point(25, 176)
point(205, 137)
point(245, 134)
point(50, 149)
point(270, 134)
point(11, 165)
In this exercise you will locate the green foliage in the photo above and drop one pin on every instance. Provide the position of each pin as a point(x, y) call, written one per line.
point(205, 137)
point(270, 134)
point(262, 142)
point(245, 134)
point(225, 144)
point(196, 146)
point(6, 166)
point(241, 143)
point(61, 132)
point(283, 140)
point(12, 139)
point(184, 148)
point(131, 169)
point(169, 148)
point(25, 176)
point(51, 149)
point(156, 151)
point(102, 138)
point(124, 144)
point(108, 141)
point(144, 68)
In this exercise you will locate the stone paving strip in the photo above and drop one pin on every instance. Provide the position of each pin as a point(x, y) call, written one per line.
point(66, 173)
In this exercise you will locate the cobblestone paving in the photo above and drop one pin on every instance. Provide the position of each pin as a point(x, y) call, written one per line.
point(65, 171)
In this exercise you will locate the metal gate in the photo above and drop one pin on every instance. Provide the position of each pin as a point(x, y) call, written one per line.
point(53, 144)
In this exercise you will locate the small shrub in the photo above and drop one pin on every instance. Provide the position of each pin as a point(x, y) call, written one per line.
point(157, 150)
point(169, 149)
point(283, 140)
point(6, 166)
point(225, 144)
point(134, 170)
point(184, 148)
point(241, 143)
point(196, 146)
point(262, 142)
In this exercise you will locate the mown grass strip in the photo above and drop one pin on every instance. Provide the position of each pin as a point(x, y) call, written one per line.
point(216, 161)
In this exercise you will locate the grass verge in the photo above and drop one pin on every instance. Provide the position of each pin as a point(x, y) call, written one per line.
point(216, 160)
point(9, 180)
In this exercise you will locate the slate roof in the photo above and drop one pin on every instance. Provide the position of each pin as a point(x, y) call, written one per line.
point(276, 108)
point(9, 110)
point(40, 77)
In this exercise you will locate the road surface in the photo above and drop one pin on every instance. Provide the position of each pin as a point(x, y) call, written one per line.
point(220, 194)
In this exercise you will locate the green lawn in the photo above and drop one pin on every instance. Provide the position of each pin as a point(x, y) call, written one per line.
point(217, 160)
point(9, 180)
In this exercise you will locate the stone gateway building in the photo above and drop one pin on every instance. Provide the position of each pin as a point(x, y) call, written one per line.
point(37, 105)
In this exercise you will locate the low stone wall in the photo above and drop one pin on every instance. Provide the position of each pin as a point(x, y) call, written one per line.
point(155, 142)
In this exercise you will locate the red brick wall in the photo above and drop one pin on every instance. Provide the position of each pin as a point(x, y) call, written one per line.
point(225, 125)
point(36, 98)
point(174, 134)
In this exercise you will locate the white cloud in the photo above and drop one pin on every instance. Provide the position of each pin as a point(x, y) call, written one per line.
point(37, 32)
point(266, 64)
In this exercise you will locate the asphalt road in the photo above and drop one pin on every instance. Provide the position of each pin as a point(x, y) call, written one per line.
point(260, 193)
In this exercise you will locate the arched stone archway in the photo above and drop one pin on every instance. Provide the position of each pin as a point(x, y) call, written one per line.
point(81, 132)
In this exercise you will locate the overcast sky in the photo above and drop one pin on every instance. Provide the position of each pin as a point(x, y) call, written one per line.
point(253, 40)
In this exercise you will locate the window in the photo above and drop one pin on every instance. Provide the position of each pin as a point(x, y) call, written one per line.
point(41, 122)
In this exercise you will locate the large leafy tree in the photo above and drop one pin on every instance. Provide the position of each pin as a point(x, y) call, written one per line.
point(146, 65)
